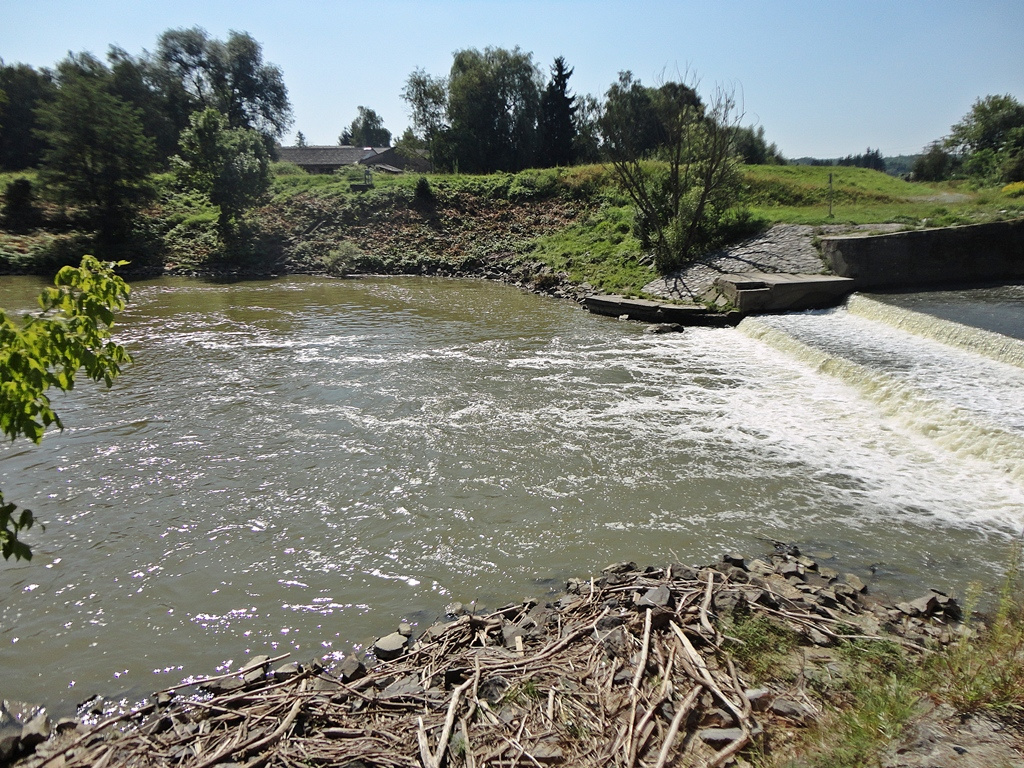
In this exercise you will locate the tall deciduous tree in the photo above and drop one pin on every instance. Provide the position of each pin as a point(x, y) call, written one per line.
point(493, 108)
point(229, 165)
point(557, 118)
point(98, 155)
point(23, 90)
point(71, 335)
point(196, 71)
point(675, 157)
point(989, 140)
point(367, 130)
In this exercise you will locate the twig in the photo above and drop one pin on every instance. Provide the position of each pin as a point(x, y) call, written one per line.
point(684, 709)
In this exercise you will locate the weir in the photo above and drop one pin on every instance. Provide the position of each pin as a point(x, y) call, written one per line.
point(952, 384)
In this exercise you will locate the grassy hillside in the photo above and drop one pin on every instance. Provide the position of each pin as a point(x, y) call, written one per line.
point(537, 227)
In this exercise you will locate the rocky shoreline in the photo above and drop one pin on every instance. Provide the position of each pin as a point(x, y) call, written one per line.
point(634, 667)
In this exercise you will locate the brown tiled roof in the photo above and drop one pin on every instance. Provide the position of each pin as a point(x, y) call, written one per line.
point(327, 155)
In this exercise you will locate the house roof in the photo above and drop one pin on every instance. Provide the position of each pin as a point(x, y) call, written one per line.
point(327, 155)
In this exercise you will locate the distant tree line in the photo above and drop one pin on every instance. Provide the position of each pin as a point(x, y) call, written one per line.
point(986, 145)
point(97, 129)
point(496, 111)
point(872, 158)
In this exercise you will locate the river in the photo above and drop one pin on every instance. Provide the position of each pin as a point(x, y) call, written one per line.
point(296, 465)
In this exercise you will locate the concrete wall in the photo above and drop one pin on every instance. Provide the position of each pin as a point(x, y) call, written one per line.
point(976, 253)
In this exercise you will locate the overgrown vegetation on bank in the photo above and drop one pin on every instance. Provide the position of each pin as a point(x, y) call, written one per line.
point(540, 228)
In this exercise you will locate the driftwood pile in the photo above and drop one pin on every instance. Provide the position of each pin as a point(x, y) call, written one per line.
point(629, 669)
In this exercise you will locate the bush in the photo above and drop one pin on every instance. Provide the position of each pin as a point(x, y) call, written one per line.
point(348, 258)
point(1016, 189)
point(423, 191)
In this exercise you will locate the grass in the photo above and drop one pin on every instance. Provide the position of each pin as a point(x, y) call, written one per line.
point(883, 689)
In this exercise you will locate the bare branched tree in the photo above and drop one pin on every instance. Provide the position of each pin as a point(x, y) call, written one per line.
point(674, 156)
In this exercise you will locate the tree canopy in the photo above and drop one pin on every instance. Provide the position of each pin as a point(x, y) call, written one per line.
point(367, 130)
point(98, 156)
point(70, 335)
point(558, 118)
point(230, 166)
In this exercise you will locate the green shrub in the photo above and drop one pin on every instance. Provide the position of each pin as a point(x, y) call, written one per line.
point(1016, 189)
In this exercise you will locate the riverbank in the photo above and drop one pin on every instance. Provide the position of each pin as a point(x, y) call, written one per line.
point(745, 660)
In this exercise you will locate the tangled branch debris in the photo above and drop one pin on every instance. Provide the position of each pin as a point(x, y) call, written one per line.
point(630, 669)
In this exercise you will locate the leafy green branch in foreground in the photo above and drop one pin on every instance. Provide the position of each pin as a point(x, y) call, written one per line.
point(71, 334)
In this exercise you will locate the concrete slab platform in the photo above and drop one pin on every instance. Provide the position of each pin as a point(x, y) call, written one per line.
point(751, 292)
point(657, 312)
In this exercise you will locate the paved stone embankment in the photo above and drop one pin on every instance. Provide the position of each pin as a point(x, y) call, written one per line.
point(785, 249)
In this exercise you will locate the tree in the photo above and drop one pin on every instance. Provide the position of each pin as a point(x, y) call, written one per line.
point(754, 149)
point(367, 130)
point(230, 166)
point(98, 155)
point(493, 109)
point(196, 72)
point(557, 119)
point(675, 158)
point(427, 98)
point(935, 164)
point(300, 139)
point(71, 335)
point(23, 90)
point(989, 140)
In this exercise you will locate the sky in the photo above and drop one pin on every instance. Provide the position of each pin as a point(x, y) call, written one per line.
point(824, 78)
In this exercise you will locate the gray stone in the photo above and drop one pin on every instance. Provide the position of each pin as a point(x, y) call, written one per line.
point(390, 646)
point(656, 597)
point(626, 566)
point(760, 567)
point(509, 633)
point(10, 747)
point(658, 328)
point(287, 671)
point(351, 669)
point(35, 731)
point(759, 698)
point(720, 737)
point(405, 629)
point(788, 709)
point(733, 559)
point(224, 685)
point(855, 582)
point(256, 674)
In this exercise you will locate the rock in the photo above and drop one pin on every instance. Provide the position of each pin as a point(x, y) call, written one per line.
point(35, 731)
point(760, 567)
point(852, 580)
point(405, 629)
point(788, 709)
point(817, 637)
point(390, 646)
point(625, 566)
point(224, 685)
point(759, 698)
point(287, 671)
point(10, 747)
point(790, 570)
point(734, 560)
point(509, 633)
point(163, 698)
point(720, 737)
point(455, 609)
point(657, 328)
point(255, 675)
point(926, 605)
point(351, 669)
point(656, 597)
point(828, 573)
point(610, 622)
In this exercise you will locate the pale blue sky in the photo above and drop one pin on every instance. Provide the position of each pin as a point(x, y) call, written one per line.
point(824, 78)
